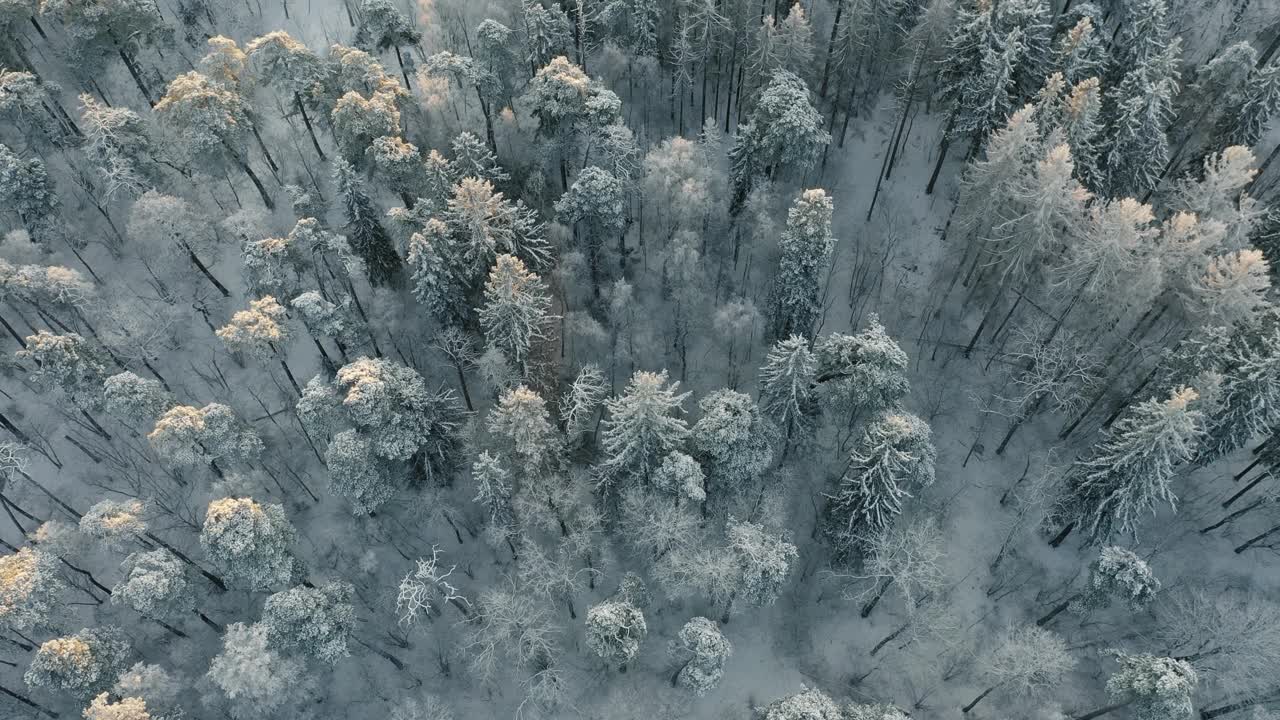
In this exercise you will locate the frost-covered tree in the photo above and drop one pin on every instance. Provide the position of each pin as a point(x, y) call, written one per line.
point(493, 491)
point(1247, 389)
point(289, 65)
point(680, 476)
point(250, 542)
point(643, 426)
point(1130, 472)
point(126, 708)
point(114, 523)
point(368, 238)
point(383, 25)
point(762, 561)
point(864, 372)
point(909, 558)
point(894, 457)
point(356, 473)
point(484, 224)
point(154, 684)
point(438, 280)
point(546, 33)
point(30, 587)
point(783, 133)
point(615, 629)
point(67, 363)
point(581, 400)
point(259, 331)
point(155, 584)
point(702, 651)
point(120, 147)
point(83, 664)
point(1156, 688)
point(316, 621)
point(807, 243)
point(596, 206)
point(165, 226)
point(186, 436)
point(808, 704)
point(426, 589)
point(787, 394)
point(1119, 574)
point(516, 312)
point(1253, 108)
point(211, 122)
point(359, 121)
point(392, 407)
point(1025, 660)
point(522, 422)
point(734, 438)
point(254, 678)
point(27, 190)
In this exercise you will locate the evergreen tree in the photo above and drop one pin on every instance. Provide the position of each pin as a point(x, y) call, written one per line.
point(1252, 108)
point(581, 400)
point(1119, 574)
point(318, 621)
point(807, 244)
point(30, 587)
point(1157, 688)
point(894, 457)
point(596, 205)
point(438, 279)
point(1131, 470)
point(250, 542)
point(783, 133)
point(484, 224)
point(703, 652)
point(155, 584)
point(1137, 149)
point(734, 438)
point(27, 190)
point(762, 562)
point(368, 238)
point(787, 395)
point(356, 473)
point(864, 372)
point(516, 310)
point(615, 630)
point(642, 426)
point(67, 363)
point(83, 664)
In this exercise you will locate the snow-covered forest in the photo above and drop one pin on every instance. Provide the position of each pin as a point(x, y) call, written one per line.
point(636, 359)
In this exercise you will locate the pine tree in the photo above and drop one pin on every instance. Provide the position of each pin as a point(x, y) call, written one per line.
point(807, 244)
point(783, 133)
point(30, 589)
point(484, 224)
point(356, 473)
point(318, 621)
point(155, 584)
point(1081, 53)
point(250, 542)
point(1248, 391)
point(1157, 688)
point(438, 280)
point(615, 630)
point(1119, 574)
point(596, 205)
point(642, 426)
point(67, 363)
point(115, 524)
point(1131, 470)
point(702, 651)
point(126, 708)
point(368, 238)
point(1253, 108)
point(521, 421)
point(1138, 147)
point(260, 332)
point(185, 436)
point(516, 314)
point(255, 679)
point(864, 372)
point(358, 121)
point(83, 664)
point(894, 457)
point(734, 438)
point(787, 395)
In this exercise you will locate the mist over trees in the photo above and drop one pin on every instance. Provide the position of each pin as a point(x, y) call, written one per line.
point(820, 360)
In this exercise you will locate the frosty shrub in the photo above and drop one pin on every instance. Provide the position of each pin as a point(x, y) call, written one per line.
point(615, 629)
point(83, 664)
point(250, 542)
point(703, 650)
point(316, 621)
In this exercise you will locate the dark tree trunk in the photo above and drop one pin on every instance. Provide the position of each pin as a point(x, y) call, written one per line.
point(977, 700)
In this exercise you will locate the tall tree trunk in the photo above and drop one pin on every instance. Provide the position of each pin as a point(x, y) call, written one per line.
point(28, 702)
point(1257, 539)
point(977, 700)
point(311, 132)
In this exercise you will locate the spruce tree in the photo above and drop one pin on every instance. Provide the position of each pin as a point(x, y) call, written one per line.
point(807, 244)
point(368, 238)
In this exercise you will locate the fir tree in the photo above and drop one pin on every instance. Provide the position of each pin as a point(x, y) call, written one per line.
point(807, 244)
point(516, 310)
point(368, 238)
point(734, 438)
point(784, 132)
point(894, 457)
point(642, 426)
